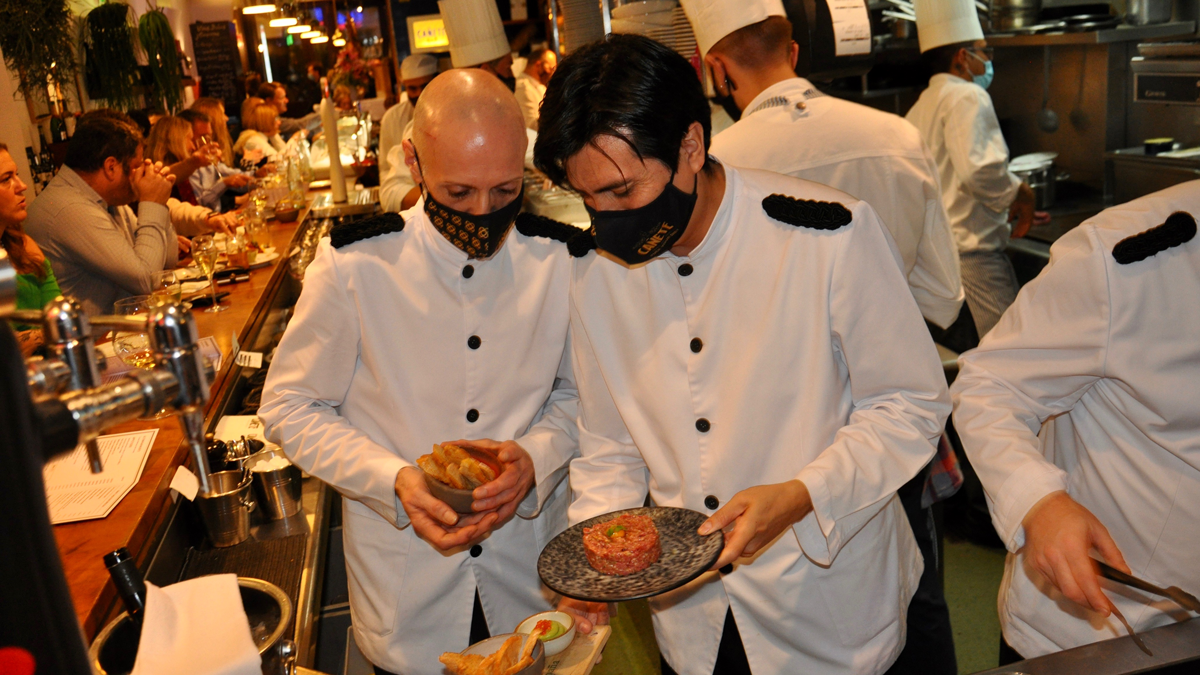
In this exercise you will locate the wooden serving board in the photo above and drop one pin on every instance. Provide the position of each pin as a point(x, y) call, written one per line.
point(581, 656)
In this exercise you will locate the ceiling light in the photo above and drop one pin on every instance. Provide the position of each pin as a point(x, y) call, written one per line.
point(320, 40)
point(300, 28)
point(339, 42)
point(259, 8)
point(311, 34)
point(281, 22)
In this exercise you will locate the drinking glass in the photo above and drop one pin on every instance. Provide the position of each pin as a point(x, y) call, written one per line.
point(169, 288)
point(205, 253)
point(235, 249)
point(259, 233)
point(133, 348)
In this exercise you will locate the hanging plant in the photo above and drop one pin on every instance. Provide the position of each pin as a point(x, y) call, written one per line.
point(38, 44)
point(154, 32)
point(108, 47)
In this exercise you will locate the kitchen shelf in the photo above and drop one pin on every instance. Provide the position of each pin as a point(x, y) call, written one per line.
point(1119, 34)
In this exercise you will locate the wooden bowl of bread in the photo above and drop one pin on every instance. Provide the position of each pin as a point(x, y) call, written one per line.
point(453, 472)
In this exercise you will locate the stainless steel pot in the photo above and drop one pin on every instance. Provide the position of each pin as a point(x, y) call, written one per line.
point(1146, 12)
point(268, 609)
point(1038, 171)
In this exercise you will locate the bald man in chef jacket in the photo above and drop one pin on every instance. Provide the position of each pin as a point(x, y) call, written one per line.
point(727, 347)
point(444, 322)
point(1079, 413)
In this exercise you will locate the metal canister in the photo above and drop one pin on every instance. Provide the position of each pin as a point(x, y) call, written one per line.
point(278, 489)
point(226, 509)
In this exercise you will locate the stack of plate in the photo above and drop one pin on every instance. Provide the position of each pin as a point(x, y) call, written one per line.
point(661, 20)
point(581, 22)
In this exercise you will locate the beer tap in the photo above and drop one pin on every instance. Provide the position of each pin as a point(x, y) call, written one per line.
point(73, 405)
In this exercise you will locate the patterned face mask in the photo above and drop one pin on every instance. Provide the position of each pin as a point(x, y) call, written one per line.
point(477, 236)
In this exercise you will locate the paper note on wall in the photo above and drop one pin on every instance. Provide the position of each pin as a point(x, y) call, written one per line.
point(851, 27)
point(74, 493)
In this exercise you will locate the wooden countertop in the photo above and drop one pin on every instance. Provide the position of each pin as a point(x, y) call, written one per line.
point(140, 514)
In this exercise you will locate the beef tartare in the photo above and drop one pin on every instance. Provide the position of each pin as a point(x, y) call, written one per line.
point(623, 545)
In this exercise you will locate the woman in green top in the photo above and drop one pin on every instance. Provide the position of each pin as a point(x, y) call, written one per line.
point(35, 280)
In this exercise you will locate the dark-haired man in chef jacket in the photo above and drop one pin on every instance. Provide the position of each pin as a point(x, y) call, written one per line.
point(444, 322)
point(790, 127)
point(1078, 411)
point(745, 346)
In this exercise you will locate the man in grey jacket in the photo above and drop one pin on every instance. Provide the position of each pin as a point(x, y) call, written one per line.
point(101, 251)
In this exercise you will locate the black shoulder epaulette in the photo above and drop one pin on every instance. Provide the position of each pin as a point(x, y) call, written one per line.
point(348, 233)
point(1179, 228)
point(806, 212)
point(578, 241)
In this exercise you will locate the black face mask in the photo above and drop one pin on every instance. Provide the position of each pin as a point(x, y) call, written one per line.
point(477, 236)
point(637, 235)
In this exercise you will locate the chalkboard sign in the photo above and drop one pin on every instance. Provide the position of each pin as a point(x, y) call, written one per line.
point(217, 62)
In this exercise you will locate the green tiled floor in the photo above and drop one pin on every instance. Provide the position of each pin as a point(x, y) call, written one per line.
point(972, 579)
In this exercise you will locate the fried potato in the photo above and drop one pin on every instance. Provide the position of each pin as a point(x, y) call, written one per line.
point(477, 471)
point(439, 455)
point(456, 479)
point(531, 643)
point(429, 466)
point(454, 453)
point(508, 654)
point(519, 666)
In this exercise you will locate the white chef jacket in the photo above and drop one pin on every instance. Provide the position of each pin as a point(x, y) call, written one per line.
point(529, 93)
point(958, 123)
point(391, 130)
point(815, 365)
point(793, 129)
point(1110, 352)
point(375, 367)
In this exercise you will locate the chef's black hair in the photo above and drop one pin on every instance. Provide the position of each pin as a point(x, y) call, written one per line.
point(626, 86)
point(940, 59)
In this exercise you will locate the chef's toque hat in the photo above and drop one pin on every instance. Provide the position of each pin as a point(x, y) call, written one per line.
point(946, 22)
point(418, 65)
point(474, 30)
point(714, 19)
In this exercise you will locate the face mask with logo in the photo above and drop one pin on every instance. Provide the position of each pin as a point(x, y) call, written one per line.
point(984, 80)
point(637, 235)
point(477, 236)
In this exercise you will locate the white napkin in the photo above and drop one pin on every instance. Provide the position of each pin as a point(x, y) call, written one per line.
point(197, 627)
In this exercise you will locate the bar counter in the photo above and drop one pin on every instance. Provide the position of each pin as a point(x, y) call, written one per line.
point(140, 518)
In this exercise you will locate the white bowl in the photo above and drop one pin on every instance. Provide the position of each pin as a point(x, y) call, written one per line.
point(558, 644)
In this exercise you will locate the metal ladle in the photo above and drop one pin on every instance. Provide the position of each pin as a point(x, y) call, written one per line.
point(1047, 119)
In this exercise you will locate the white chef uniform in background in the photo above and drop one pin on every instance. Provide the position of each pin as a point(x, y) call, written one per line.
point(375, 367)
point(414, 67)
point(958, 123)
point(793, 129)
point(1109, 353)
point(813, 364)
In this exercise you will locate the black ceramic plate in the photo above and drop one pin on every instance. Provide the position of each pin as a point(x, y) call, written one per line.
point(686, 555)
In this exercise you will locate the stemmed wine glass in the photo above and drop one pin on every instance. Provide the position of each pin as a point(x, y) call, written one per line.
point(134, 348)
point(205, 252)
